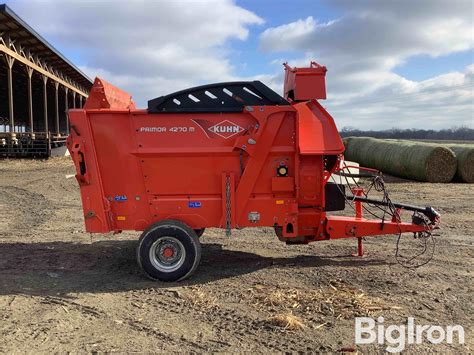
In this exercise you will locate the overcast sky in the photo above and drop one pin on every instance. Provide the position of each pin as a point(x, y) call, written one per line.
point(404, 64)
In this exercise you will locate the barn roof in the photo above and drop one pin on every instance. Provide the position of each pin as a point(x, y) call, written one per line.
point(20, 32)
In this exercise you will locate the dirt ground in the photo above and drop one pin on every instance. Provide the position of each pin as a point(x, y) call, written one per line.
point(62, 289)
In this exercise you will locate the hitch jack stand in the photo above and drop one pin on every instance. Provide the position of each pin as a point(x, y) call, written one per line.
point(358, 208)
point(360, 249)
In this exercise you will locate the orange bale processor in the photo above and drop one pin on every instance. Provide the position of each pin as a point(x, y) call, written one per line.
point(227, 155)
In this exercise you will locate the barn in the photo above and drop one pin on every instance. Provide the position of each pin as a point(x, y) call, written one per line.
point(37, 86)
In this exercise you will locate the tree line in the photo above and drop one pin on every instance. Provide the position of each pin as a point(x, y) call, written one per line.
point(454, 133)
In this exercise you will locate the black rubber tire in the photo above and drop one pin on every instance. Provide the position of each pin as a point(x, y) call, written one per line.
point(199, 232)
point(184, 234)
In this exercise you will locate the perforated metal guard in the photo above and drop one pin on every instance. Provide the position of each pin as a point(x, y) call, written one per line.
point(221, 97)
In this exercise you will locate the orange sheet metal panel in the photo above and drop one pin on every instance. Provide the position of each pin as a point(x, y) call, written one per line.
point(160, 166)
point(317, 131)
point(104, 95)
point(303, 84)
point(283, 184)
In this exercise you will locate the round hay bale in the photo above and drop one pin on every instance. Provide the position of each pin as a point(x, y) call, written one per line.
point(411, 160)
point(465, 157)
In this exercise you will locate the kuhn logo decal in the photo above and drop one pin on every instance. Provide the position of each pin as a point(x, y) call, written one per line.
point(224, 129)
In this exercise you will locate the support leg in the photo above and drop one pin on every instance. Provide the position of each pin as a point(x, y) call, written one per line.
point(11, 115)
point(66, 104)
point(360, 249)
point(45, 105)
point(29, 71)
point(358, 205)
point(56, 103)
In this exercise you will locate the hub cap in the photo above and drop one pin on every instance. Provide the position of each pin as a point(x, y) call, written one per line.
point(167, 254)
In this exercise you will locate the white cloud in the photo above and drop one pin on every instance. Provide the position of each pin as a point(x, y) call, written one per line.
point(362, 48)
point(439, 102)
point(150, 48)
point(288, 36)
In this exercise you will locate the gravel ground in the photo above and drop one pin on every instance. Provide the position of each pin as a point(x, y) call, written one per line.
point(62, 289)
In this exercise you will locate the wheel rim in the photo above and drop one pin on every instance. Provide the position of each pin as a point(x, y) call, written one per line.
point(167, 254)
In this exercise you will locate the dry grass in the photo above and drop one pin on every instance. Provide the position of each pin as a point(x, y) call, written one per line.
point(337, 299)
point(286, 321)
point(199, 296)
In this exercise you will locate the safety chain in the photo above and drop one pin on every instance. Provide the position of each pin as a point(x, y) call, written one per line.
point(228, 231)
